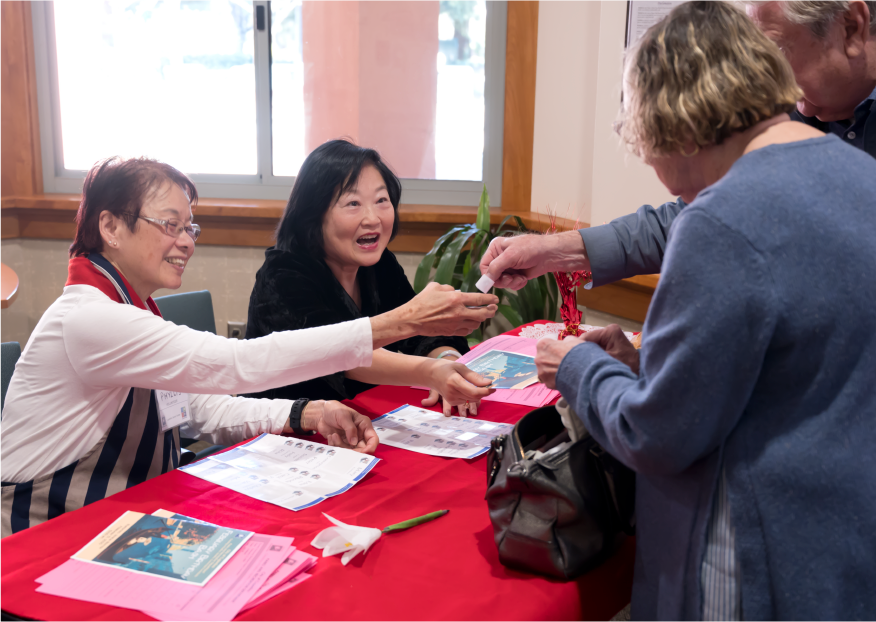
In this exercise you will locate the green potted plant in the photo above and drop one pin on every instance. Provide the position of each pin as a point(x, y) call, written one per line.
point(455, 260)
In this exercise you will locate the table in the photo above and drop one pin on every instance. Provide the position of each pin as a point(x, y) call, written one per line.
point(445, 570)
point(8, 285)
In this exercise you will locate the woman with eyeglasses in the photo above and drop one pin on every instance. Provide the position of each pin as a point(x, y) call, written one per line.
point(104, 383)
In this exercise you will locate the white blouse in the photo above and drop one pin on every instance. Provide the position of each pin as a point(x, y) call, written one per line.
point(87, 351)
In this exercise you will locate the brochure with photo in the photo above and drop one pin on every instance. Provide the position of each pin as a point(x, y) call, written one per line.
point(180, 550)
point(507, 370)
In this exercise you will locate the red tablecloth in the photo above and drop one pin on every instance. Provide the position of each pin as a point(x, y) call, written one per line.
point(448, 569)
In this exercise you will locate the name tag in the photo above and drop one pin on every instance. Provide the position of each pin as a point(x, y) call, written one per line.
point(173, 409)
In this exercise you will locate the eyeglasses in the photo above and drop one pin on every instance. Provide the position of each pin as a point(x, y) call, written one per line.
point(174, 227)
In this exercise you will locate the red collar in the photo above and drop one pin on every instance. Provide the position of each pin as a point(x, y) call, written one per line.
point(80, 271)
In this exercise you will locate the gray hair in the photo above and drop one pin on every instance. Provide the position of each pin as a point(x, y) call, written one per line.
point(818, 15)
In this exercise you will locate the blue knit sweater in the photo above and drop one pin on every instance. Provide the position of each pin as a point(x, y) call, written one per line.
point(758, 355)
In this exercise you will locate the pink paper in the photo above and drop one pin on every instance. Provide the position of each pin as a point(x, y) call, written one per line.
point(221, 599)
point(293, 565)
point(534, 395)
point(296, 580)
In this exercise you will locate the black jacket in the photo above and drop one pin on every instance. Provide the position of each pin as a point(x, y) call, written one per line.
point(294, 291)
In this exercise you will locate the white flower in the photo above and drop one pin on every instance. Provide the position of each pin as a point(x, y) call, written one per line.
point(347, 539)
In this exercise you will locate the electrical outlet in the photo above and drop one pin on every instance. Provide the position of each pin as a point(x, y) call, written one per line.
point(236, 330)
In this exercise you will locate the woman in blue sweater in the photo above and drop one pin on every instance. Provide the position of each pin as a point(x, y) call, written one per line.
point(748, 414)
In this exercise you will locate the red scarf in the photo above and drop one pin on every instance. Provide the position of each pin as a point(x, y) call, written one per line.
point(80, 271)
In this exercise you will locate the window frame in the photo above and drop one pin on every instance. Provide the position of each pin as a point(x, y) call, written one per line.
point(266, 185)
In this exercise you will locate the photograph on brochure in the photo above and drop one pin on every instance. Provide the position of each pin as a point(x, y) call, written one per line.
point(507, 370)
point(179, 550)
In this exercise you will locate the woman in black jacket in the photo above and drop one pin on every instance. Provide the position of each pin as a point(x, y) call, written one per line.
point(331, 265)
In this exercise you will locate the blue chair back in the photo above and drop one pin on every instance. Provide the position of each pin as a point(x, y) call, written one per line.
point(192, 309)
point(11, 351)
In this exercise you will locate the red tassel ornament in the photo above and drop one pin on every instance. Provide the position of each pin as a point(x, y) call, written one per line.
point(568, 283)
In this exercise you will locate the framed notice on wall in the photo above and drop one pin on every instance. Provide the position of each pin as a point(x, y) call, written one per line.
point(642, 15)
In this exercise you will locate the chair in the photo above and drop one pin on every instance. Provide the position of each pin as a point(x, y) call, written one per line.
point(195, 310)
point(11, 350)
point(192, 309)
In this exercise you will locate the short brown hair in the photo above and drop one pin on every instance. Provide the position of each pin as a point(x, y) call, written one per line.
point(699, 75)
point(120, 187)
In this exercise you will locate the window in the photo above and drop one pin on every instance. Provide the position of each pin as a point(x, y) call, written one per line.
point(237, 93)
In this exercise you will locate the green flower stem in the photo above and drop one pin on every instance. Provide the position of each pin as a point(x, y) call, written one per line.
point(415, 521)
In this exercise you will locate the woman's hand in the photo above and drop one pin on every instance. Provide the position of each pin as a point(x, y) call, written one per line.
point(458, 386)
point(435, 311)
point(341, 426)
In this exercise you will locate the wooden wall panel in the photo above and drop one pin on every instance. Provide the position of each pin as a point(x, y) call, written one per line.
point(20, 165)
point(519, 133)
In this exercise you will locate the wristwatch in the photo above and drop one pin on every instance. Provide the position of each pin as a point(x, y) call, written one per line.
point(295, 416)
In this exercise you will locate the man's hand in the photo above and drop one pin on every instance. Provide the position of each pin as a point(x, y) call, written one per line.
point(511, 262)
point(549, 355)
point(614, 342)
point(341, 426)
point(458, 386)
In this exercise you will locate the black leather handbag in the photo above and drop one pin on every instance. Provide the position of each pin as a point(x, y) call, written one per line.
point(559, 507)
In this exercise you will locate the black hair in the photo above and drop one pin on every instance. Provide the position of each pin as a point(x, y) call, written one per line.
point(329, 171)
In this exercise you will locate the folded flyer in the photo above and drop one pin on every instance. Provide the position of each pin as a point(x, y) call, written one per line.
point(180, 550)
point(428, 432)
point(290, 472)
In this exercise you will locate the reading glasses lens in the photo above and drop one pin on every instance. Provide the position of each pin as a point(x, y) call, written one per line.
point(173, 228)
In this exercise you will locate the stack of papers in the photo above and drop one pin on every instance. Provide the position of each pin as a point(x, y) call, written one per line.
point(510, 362)
point(428, 432)
point(289, 472)
point(173, 567)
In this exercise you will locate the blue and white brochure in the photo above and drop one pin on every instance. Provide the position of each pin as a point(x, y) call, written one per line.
point(172, 548)
point(429, 432)
point(293, 473)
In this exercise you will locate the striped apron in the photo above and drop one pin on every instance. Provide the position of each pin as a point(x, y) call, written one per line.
point(132, 451)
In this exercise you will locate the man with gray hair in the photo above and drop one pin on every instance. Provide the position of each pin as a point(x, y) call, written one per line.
point(831, 47)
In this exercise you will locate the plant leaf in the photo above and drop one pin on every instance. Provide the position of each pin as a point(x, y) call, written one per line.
point(530, 295)
point(483, 219)
point(467, 265)
point(502, 224)
point(421, 279)
point(475, 337)
point(553, 296)
point(515, 303)
point(468, 282)
point(511, 315)
point(446, 266)
point(520, 224)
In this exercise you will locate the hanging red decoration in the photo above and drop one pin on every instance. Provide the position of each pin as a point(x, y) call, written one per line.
point(568, 283)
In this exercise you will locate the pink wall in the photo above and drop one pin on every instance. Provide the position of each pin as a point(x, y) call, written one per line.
point(371, 75)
